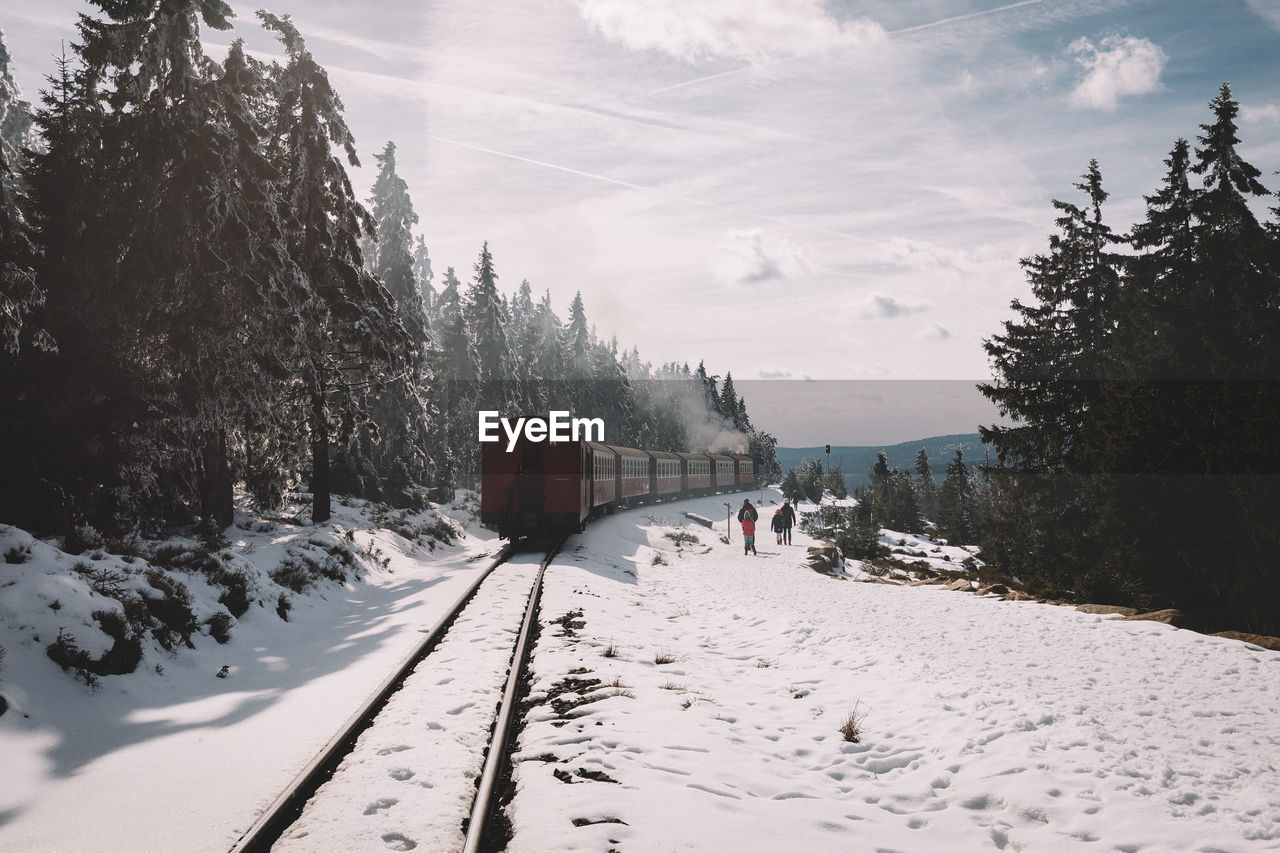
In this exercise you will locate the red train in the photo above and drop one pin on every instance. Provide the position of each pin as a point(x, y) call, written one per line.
point(543, 487)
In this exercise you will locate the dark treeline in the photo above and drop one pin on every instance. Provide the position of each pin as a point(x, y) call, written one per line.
point(193, 299)
point(1142, 381)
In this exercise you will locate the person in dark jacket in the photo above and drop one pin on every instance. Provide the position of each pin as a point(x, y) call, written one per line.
point(776, 525)
point(788, 513)
point(748, 515)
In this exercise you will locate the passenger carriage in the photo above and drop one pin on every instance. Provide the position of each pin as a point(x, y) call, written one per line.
point(665, 475)
point(634, 484)
point(724, 471)
point(695, 473)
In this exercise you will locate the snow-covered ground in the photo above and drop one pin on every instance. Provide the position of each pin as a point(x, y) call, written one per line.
point(173, 758)
point(985, 724)
point(686, 697)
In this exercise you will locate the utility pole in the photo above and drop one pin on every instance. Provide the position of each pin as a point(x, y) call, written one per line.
point(728, 517)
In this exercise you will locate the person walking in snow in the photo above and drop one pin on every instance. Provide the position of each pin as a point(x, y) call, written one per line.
point(748, 515)
point(776, 525)
point(788, 513)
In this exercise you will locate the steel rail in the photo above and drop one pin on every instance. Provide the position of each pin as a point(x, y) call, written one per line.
point(286, 808)
point(483, 806)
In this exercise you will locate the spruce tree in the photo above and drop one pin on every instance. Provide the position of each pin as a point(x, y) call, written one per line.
point(488, 330)
point(354, 340)
point(955, 501)
point(1048, 366)
point(20, 292)
point(401, 409)
point(424, 276)
point(926, 486)
point(728, 407)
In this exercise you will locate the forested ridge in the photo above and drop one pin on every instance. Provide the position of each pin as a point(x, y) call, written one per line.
point(194, 299)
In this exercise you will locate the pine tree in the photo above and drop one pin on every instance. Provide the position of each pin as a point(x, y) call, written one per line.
point(1048, 367)
point(879, 474)
point(791, 487)
point(1187, 421)
point(423, 275)
point(488, 331)
point(549, 354)
point(401, 411)
point(1235, 252)
point(20, 292)
point(728, 399)
point(926, 486)
point(1048, 364)
point(172, 283)
point(955, 509)
point(578, 340)
point(355, 341)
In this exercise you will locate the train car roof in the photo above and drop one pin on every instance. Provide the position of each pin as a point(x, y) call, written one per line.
point(621, 451)
point(662, 454)
point(692, 455)
point(721, 456)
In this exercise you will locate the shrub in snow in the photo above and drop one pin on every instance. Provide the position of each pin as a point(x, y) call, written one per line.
point(172, 609)
point(104, 582)
point(85, 537)
point(16, 555)
point(220, 626)
point(236, 597)
point(125, 652)
point(67, 654)
point(283, 606)
point(291, 573)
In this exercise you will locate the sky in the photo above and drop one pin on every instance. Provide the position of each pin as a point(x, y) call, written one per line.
point(786, 189)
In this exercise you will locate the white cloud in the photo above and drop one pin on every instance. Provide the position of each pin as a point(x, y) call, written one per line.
point(1116, 67)
point(883, 307)
point(749, 256)
point(1267, 112)
point(742, 30)
point(923, 255)
point(1267, 10)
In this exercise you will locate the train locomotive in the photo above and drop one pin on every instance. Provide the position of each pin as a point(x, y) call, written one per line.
point(544, 487)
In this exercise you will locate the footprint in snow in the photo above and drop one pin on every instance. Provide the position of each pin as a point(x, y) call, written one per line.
point(396, 841)
point(380, 805)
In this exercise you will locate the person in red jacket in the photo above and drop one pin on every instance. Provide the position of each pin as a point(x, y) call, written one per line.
point(748, 515)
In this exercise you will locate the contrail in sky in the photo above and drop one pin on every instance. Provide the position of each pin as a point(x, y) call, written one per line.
point(734, 71)
point(966, 17)
point(670, 195)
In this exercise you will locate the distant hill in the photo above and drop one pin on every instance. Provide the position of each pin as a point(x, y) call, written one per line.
point(857, 461)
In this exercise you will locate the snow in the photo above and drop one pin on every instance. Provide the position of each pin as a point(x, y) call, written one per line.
point(713, 723)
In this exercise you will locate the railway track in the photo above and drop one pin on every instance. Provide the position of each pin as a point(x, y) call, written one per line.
point(307, 804)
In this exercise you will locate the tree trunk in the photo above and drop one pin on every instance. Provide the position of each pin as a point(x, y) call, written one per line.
point(320, 504)
point(216, 499)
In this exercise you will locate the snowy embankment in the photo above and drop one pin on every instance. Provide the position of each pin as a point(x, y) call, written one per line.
point(172, 757)
point(694, 699)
